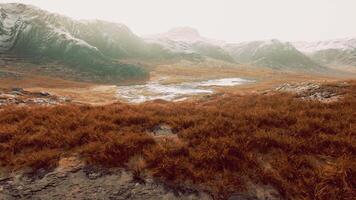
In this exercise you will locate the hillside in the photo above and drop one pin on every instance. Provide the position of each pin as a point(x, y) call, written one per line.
point(337, 52)
point(188, 42)
point(273, 54)
point(30, 32)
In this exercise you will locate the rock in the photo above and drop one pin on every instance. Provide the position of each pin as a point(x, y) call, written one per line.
point(17, 93)
point(242, 197)
point(257, 192)
point(343, 85)
point(64, 99)
point(162, 129)
point(42, 94)
point(93, 176)
point(7, 96)
point(310, 91)
point(72, 179)
point(18, 90)
point(20, 97)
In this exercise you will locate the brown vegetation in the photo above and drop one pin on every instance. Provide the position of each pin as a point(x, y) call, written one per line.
point(305, 149)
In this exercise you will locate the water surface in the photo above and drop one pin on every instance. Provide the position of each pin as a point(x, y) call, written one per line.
point(153, 90)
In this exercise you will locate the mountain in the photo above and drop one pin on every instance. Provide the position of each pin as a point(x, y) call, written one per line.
point(95, 49)
point(271, 53)
point(117, 41)
point(87, 46)
point(344, 44)
point(180, 34)
point(188, 41)
point(338, 52)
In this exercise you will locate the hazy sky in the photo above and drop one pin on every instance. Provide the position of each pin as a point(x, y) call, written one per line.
point(231, 20)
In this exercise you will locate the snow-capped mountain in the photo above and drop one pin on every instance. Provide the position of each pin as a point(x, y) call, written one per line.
point(179, 34)
point(338, 52)
point(344, 44)
point(271, 53)
point(187, 40)
point(177, 39)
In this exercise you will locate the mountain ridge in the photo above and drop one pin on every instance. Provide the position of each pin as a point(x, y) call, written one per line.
point(188, 41)
point(271, 53)
point(336, 52)
point(31, 31)
point(97, 46)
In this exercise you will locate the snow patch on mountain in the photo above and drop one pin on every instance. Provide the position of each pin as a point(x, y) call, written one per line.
point(67, 37)
point(181, 39)
point(27, 30)
point(17, 18)
point(174, 46)
point(186, 40)
point(344, 44)
point(253, 47)
point(10, 25)
point(273, 53)
point(178, 40)
point(180, 34)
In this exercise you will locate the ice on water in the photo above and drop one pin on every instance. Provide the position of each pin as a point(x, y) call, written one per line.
point(173, 92)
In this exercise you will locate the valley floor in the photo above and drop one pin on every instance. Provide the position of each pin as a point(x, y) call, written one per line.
point(165, 74)
point(293, 142)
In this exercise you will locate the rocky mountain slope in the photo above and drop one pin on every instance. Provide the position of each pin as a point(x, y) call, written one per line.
point(338, 52)
point(188, 41)
point(87, 46)
point(180, 34)
point(273, 53)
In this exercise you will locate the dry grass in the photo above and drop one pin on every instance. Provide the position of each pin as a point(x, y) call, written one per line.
point(305, 149)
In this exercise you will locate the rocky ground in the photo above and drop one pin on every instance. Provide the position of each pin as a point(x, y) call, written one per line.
point(74, 180)
point(314, 91)
point(18, 96)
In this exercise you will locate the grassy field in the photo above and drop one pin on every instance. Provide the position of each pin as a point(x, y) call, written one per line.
point(304, 149)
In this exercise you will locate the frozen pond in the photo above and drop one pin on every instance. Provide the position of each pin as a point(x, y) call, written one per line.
point(224, 82)
point(173, 92)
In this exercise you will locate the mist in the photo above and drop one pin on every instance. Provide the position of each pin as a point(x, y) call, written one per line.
point(229, 20)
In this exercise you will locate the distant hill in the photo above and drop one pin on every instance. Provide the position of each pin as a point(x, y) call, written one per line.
point(187, 41)
point(272, 53)
point(338, 52)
